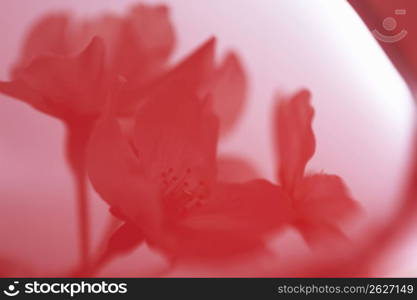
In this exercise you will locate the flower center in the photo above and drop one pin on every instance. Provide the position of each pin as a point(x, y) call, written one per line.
point(183, 190)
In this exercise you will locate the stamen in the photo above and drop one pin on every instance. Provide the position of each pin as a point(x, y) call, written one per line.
point(184, 189)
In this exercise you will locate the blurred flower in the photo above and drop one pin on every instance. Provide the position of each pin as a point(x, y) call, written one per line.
point(226, 83)
point(320, 201)
point(121, 53)
point(147, 133)
point(160, 177)
point(71, 69)
point(67, 87)
point(114, 53)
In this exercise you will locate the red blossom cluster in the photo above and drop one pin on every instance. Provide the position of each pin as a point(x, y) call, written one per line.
point(145, 133)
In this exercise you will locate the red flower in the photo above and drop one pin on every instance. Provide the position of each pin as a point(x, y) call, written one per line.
point(67, 87)
point(54, 80)
point(161, 177)
point(70, 70)
point(320, 201)
point(129, 51)
point(225, 83)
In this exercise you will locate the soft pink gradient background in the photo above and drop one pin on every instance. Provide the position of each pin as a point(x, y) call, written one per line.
point(364, 116)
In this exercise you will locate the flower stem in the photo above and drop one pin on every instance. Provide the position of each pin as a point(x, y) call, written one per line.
point(78, 132)
point(83, 217)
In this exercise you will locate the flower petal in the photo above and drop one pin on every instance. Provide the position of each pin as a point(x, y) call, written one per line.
point(115, 175)
point(235, 169)
point(228, 90)
point(235, 221)
point(294, 137)
point(142, 46)
point(66, 86)
point(323, 198)
point(48, 36)
point(175, 131)
point(319, 234)
point(192, 72)
point(138, 44)
point(19, 90)
point(154, 38)
point(195, 69)
point(125, 239)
